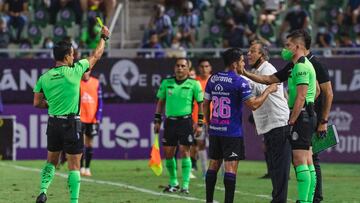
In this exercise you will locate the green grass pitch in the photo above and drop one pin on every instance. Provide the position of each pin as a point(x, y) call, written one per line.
point(118, 181)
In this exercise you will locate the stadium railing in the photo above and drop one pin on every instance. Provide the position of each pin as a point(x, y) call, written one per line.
point(195, 52)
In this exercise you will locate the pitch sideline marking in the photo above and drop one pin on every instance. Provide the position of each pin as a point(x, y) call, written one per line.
point(126, 186)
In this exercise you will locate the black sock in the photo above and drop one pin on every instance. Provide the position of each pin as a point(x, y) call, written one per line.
point(82, 161)
point(88, 156)
point(229, 183)
point(210, 181)
point(193, 163)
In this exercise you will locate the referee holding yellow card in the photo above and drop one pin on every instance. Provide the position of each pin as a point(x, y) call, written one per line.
point(58, 90)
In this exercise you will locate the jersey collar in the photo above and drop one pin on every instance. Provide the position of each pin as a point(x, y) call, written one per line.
point(309, 56)
point(301, 60)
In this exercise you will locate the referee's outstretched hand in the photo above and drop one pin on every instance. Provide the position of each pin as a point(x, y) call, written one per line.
point(105, 31)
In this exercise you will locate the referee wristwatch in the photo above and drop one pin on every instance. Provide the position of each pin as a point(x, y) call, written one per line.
point(104, 37)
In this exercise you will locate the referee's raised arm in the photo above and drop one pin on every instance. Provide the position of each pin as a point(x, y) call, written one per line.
point(99, 50)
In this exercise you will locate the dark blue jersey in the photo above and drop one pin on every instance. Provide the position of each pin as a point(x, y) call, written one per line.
point(227, 91)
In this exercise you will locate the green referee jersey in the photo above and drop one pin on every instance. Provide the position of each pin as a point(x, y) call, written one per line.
point(179, 98)
point(303, 73)
point(61, 87)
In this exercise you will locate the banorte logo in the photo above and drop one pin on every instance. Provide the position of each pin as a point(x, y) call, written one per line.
point(124, 73)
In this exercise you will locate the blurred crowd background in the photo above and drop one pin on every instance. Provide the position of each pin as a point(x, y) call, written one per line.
point(181, 24)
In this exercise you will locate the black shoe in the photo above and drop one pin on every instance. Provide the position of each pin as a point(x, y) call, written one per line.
point(184, 191)
point(266, 176)
point(41, 198)
point(171, 189)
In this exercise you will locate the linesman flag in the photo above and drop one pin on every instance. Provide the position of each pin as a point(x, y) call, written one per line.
point(155, 159)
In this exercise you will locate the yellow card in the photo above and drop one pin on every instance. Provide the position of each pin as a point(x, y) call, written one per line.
point(100, 21)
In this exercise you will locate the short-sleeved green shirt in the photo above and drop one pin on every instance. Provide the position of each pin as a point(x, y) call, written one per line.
point(61, 87)
point(179, 98)
point(303, 73)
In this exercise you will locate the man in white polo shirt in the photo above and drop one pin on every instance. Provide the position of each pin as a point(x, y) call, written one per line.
point(271, 121)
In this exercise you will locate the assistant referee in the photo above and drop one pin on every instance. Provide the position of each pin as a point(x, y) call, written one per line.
point(177, 95)
point(59, 90)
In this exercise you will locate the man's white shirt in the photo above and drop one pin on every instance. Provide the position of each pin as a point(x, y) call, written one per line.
point(274, 112)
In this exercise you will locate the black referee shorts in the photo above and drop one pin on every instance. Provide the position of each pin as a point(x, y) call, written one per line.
point(178, 131)
point(64, 134)
point(302, 131)
point(227, 148)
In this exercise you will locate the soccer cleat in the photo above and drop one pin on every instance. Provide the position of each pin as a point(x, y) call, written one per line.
point(171, 189)
point(192, 176)
point(41, 198)
point(184, 191)
point(87, 172)
point(82, 171)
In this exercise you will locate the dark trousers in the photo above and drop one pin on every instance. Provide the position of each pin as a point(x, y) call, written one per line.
point(318, 190)
point(279, 152)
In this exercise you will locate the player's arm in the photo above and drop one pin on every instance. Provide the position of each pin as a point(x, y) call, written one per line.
point(206, 107)
point(326, 88)
point(263, 79)
point(318, 90)
point(40, 101)
point(158, 115)
point(99, 50)
point(255, 102)
point(299, 103)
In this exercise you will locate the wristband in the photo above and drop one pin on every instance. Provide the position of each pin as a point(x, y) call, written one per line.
point(104, 37)
point(323, 121)
point(157, 118)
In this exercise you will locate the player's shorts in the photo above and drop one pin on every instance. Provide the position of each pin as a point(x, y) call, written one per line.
point(178, 130)
point(90, 129)
point(302, 131)
point(203, 134)
point(227, 148)
point(64, 134)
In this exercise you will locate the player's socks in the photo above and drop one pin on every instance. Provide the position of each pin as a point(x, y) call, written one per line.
point(47, 175)
point(312, 183)
point(82, 161)
point(203, 160)
point(88, 156)
point(193, 163)
point(229, 183)
point(303, 182)
point(171, 167)
point(210, 180)
point(186, 170)
point(74, 186)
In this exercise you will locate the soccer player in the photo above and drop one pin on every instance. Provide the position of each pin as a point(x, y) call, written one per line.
point(302, 90)
point(177, 95)
point(322, 108)
point(271, 122)
point(90, 116)
point(227, 91)
point(204, 68)
point(58, 90)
